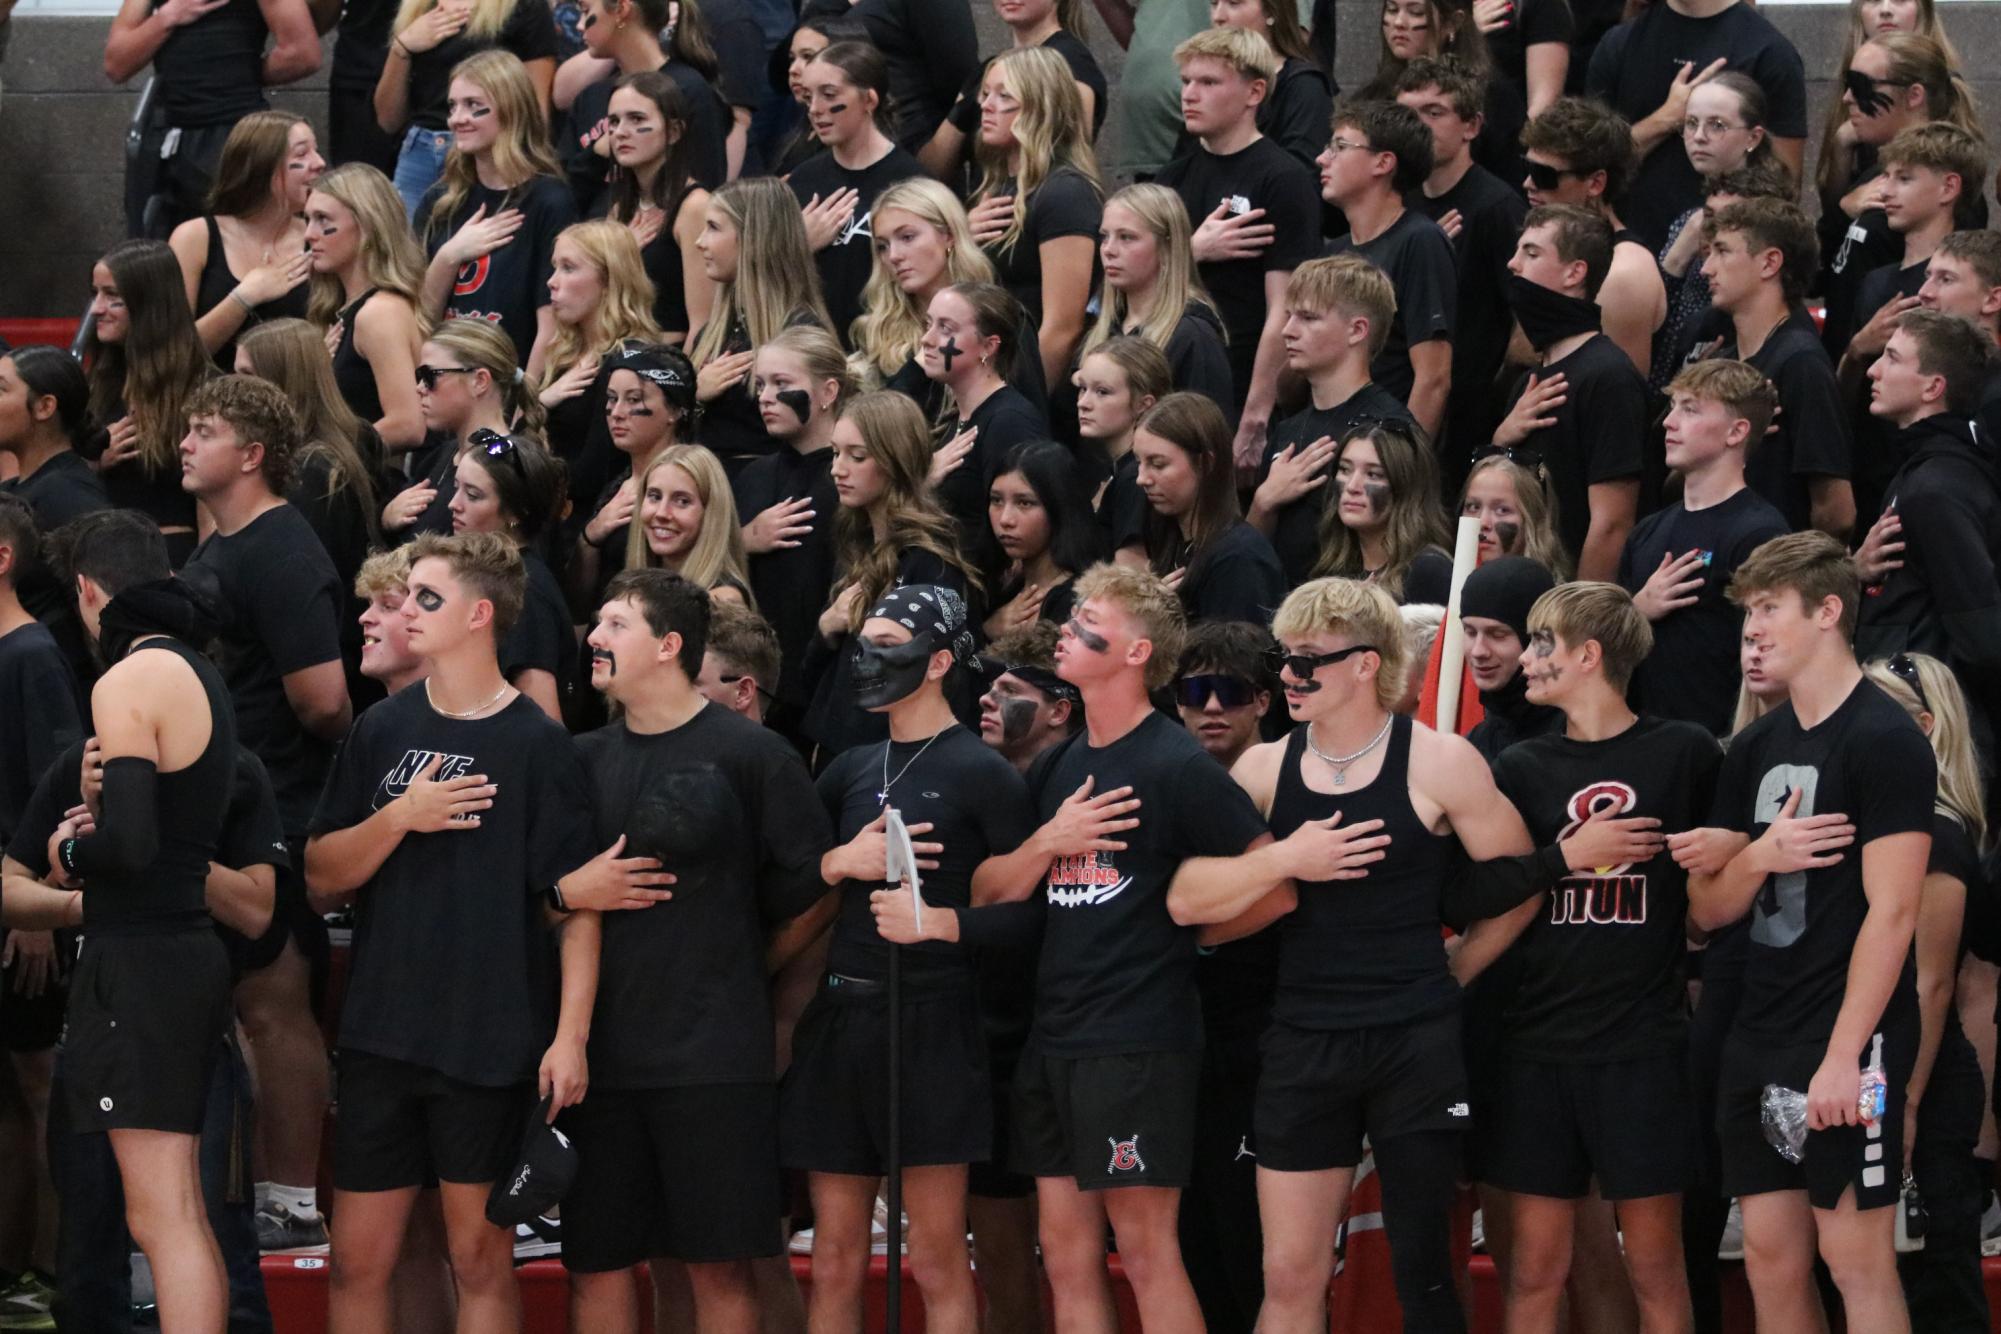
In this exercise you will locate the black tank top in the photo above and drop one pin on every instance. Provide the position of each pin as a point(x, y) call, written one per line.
point(170, 894)
point(352, 373)
point(217, 282)
point(1360, 953)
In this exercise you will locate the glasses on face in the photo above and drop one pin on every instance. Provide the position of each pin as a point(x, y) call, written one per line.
point(427, 376)
point(1338, 145)
point(1905, 669)
point(1545, 177)
point(1232, 692)
point(495, 446)
point(1711, 126)
point(1303, 665)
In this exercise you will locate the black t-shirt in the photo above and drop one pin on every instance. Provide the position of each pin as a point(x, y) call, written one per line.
point(1004, 419)
point(1598, 432)
point(847, 261)
point(453, 969)
point(1419, 261)
point(1867, 760)
point(541, 638)
point(1067, 203)
point(284, 599)
point(932, 51)
point(528, 31)
point(1693, 673)
point(1601, 965)
point(740, 48)
point(361, 45)
point(508, 286)
point(1117, 975)
point(1491, 214)
point(1850, 250)
point(1532, 23)
point(1197, 359)
point(1237, 577)
point(64, 488)
point(833, 720)
point(340, 520)
point(977, 807)
point(1260, 175)
point(40, 714)
point(792, 584)
point(590, 120)
point(1298, 113)
point(1636, 62)
point(1296, 539)
point(727, 807)
point(965, 113)
point(211, 71)
point(1812, 435)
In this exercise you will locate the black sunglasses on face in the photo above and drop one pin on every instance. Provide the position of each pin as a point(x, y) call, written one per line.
point(1303, 666)
point(1545, 177)
point(1193, 692)
point(427, 376)
point(1906, 670)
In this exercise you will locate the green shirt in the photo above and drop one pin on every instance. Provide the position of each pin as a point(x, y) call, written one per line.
point(1150, 92)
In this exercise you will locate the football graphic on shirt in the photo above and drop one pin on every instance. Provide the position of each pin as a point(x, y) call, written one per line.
point(1085, 880)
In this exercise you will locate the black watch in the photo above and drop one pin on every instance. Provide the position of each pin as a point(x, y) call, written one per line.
point(553, 896)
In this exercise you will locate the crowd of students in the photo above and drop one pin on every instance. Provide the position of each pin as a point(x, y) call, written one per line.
point(666, 438)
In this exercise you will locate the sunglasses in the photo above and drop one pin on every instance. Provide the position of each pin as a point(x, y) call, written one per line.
point(495, 445)
point(1303, 666)
point(1545, 177)
point(427, 376)
point(1232, 692)
point(1905, 669)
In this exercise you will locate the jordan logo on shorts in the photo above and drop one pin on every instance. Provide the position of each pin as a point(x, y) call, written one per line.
point(1125, 1155)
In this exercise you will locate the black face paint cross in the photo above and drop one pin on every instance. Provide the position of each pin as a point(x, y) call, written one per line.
point(949, 353)
point(798, 402)
point(1090, 638)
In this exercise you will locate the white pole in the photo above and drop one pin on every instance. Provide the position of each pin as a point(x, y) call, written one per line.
point(1452, 658)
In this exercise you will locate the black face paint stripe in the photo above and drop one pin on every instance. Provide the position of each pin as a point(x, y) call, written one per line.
point(798, 401)
point(1017, 716)
point(1378, 494)
point(1506, 535)
point(1089, 638)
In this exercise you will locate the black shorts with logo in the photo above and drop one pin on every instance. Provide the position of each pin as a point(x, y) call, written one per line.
point(147, 1017)
point(687, 1174)
point(1322, 1092)
point(1549, 1128)
point(833, 1104)
point(397, 1125)
point(1106, 1121)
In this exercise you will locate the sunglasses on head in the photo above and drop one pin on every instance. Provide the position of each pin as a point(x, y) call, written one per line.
point(427, 376)
point(1545, 177)
point(1232, 692)
point(1304, 665)
point(1905, 669)
point(1527, 459)
point(495, 445)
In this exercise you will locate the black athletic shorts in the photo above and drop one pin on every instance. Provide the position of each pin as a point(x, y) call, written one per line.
point(1321, 1092)
point(1106, 1121)
point(1550, 1129)
point(398, 1125)
point(1869, 1158)
point(687, 1174)
point(833, 1104)
point(147, 1016)
point(993, 1179)
point(34, 1023)
point(292, 918)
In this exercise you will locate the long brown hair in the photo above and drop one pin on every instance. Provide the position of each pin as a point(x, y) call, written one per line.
point(257, 146)
point(1195, 425)
point(292, 354)
point(149, 375)
point(893, 431)
point(1414, 523)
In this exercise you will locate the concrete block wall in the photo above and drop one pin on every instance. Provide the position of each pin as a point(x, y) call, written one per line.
point(62, 127)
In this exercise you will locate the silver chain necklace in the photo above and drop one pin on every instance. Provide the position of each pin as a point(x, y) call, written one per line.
point(477, 709)
point(882, 797)
point(1340, 763)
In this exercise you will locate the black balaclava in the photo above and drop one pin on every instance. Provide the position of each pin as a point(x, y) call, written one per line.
point(1503, 590)
point(936, 619)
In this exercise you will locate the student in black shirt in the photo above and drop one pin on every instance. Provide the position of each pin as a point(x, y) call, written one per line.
point(1591, 1083)
point(44, 399)
point(1299, 102)
point(1042, 535)
point(1382, 523)
point(1234, 172)
point(969, 341)
point(1152, 291)
point(847, 103)
point(1028, 708)
point(1802, 468)
point(1380, 153)
point(1679, 560)
point(678, 1137)
point(1118, 381)
point(42, 710)
point(1338, 314)
point(1494, 606)
point(458, 818)
point(414, 89)
point(1584, 410)
point(1039, 203)
point(962, 804)
point(1833, 793)
point(1511, 499)
point(1413, 30)
point(361, 48)
point(490, 223)
point(1054, 25)
point(1105, 1093)
point(1645, 69)
point(933, 51)
point(1482, 214)
point(649, 395)
point(467, 382)
point(1963, 278)
point(1224, 569)
point(923, 244)
point(650, 131)
point(1531, 48)
point(622, 41)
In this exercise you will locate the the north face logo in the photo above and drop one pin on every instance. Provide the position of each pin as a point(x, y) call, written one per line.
point(1125, 1155)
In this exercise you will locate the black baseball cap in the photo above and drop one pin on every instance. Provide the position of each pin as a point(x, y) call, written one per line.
point(540, 1177)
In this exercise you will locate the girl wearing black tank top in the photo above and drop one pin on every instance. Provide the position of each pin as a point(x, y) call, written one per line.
point(253, 228)
point(367, 273)
point(657, 197)
point(152, 999)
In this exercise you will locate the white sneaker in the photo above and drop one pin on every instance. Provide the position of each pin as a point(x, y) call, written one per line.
point(802, 1242)
point(537, 1238)
point(1480, 1231)
point(1732, 1245)
point(1990, 1228)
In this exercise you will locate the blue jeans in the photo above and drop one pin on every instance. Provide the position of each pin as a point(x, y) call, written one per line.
point(93, 1249)
point(419, 163)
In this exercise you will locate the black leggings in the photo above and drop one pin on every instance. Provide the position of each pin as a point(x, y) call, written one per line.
point(1420, 1175)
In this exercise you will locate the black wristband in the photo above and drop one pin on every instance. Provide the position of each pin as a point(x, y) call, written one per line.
point(1549, 866)
point(554, 897)
point(66, 855)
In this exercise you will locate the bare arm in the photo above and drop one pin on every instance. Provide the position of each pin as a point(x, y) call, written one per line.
point(1893, 870)
point(26, 904)
point(1632, 303)
point(138, 31)
point(1831, 503)
point(242, 900)
point(737, 144)
point(1118, 19)
point(385, 334)
point(540, 687)
point(1431, 371)
point(1547, 65)
point(1941, 909)
point(318, 696)
point(1066, 290)
point(1489, 938)
point(343, 860)
point(1270, 359)
point(795, 937)
point(392, 101)
point(542, 73)
point(577, 73)
point(941, 156)
point(1614, 505)
point(1792, 152)
point(295, 45)
point(565, 1073)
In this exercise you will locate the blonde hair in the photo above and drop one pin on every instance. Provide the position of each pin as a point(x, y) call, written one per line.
point(625, 309)
point(1961, 794)
point(897, 440)
point(776, 279)
point(486, 347)
point(390, 257)
point(383, 572)
point(1176, 282)
point(1586, 610)
point(820, 354)
point(520, 150)
point(1146, 598)
point(488, 17)
point(1363, 612)
point(1537, 505)
point(891, 324)
point(292, 355)
point(1249, 53)
point(1346, 285)
point(718, 554)
point(1050, 132)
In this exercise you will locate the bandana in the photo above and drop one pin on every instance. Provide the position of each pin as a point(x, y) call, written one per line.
point(170, 606)
point(664, 366)
point(936, 619)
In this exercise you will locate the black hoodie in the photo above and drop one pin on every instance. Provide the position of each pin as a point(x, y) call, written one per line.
point(1944, 600)
point(1511, 718)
